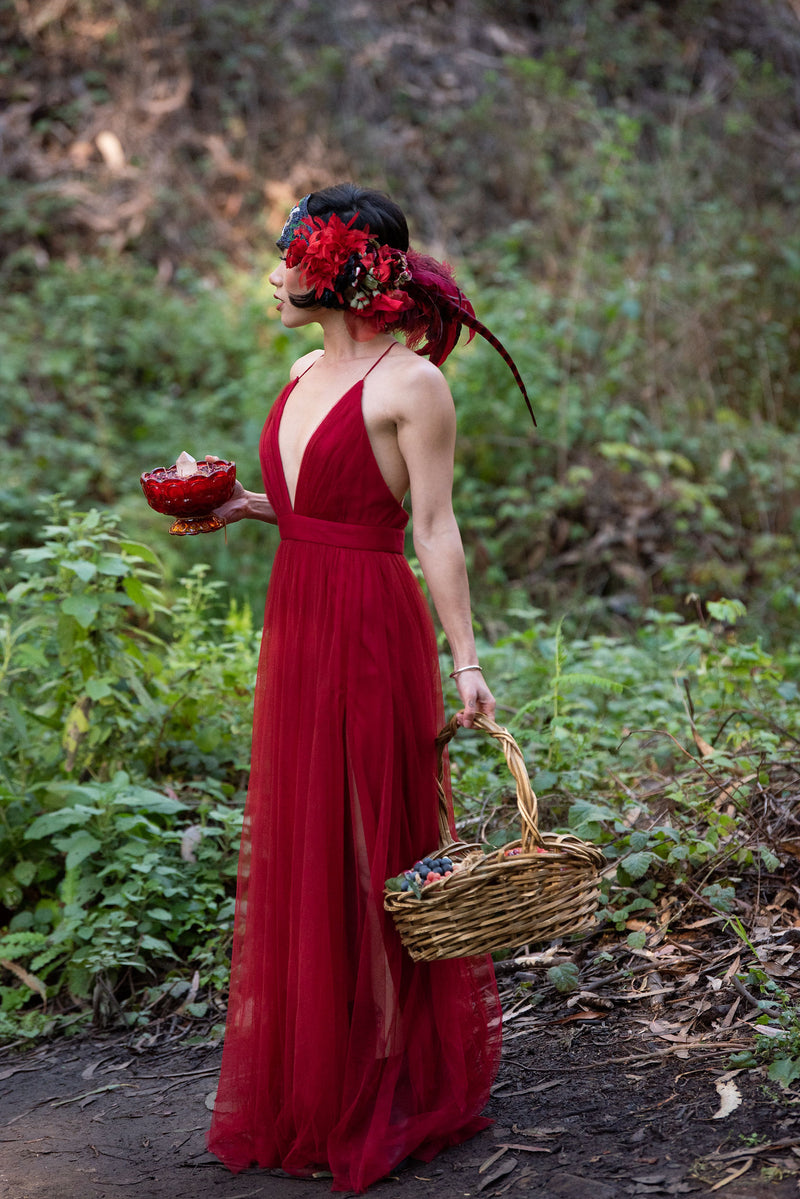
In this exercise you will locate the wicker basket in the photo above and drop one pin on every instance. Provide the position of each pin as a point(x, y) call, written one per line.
point(496, 901)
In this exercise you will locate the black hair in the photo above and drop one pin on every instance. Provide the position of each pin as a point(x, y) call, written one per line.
point(371, 209)
point(385, 219)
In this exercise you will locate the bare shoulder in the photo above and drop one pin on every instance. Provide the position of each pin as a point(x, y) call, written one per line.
point(301, 364)
point(418, 388)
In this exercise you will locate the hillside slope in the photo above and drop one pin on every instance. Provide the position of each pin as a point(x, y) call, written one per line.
point(173, 130)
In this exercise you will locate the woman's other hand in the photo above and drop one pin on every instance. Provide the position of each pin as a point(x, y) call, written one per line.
point(476, 697)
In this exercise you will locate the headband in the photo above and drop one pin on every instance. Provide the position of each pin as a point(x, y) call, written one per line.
point(296, 217)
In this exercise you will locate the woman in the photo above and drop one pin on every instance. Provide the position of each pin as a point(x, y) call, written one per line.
point(340, 1054)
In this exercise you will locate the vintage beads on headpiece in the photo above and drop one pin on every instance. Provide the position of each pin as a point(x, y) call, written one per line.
point(296, 216)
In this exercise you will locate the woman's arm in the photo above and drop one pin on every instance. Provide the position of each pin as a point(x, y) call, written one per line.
point(426, 433)
point(246, 504)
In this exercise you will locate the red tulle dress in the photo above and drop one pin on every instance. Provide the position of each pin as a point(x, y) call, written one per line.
point(340, 1053)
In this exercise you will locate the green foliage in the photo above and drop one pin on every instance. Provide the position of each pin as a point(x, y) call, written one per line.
point(124, 740)
point(777, 1045)
point(650, 311)
point(92, 687)
point(564, 977)
point(643, 280)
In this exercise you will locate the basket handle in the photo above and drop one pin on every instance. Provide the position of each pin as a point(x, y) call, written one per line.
point(526, 799)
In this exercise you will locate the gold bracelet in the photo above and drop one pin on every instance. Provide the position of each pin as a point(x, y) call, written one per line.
point(461, 670)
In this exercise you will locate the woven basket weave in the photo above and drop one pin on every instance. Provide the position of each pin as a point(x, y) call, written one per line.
point(548, 890)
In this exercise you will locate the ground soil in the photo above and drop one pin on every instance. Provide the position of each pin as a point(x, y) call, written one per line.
point(585, 1109)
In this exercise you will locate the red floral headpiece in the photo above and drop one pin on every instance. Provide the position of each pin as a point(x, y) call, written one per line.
point(339, 262)
point(382, 289)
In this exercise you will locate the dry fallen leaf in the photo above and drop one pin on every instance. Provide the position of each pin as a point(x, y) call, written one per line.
point(7, 1073)
point(529, 1148)
point(723, 1182)
point(192, 836)
point(706, 750)
point(30, 980)
point(491, 1160)
point(111, 150)
point(730, 1098)
point(505, 1167)
point(540, 1130)
point(192, 994)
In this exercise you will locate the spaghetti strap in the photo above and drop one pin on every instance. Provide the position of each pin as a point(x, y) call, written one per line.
point(377, 360)
point(306, 369)
point(371, 367)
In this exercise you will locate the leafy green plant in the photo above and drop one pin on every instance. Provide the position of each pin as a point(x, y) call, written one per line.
point(779, 1048)
point(556, 699)
point(125, 731)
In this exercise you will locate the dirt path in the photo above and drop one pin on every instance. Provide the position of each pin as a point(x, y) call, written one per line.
point(584, 1110)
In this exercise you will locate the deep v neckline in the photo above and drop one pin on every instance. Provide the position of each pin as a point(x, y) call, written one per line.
point(315, 431)
point(359, 384)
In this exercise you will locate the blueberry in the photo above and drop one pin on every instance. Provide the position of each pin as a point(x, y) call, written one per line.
point(405, 885)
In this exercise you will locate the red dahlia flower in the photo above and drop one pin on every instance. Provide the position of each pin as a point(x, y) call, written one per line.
point(322, 249)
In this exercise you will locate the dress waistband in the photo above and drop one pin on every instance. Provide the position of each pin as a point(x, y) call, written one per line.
point(293, 527)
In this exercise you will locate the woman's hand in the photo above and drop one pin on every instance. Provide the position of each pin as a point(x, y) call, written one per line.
point(235, 508)
point(476, 696)
point(243, 504)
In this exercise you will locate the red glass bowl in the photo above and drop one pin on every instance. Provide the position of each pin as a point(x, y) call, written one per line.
point(191, 499)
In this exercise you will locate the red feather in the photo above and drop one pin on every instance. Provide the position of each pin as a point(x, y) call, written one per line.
point(433, 325)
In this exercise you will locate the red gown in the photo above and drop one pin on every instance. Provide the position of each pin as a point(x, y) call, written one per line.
point(340, 1053)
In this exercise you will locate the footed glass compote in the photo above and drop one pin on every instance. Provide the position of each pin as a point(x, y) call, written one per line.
point(190, 491)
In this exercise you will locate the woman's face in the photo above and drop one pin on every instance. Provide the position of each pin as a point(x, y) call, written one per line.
point(287, 281)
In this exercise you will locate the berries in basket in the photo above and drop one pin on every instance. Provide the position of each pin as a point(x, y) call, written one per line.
point(545, 885)
point(422, 874)
point(190, 491)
